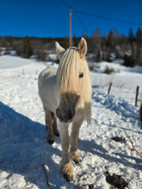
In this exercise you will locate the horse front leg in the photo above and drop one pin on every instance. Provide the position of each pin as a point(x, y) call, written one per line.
point(74, 137)
point(66, 165)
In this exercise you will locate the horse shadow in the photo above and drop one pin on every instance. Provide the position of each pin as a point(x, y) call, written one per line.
point(24, 150)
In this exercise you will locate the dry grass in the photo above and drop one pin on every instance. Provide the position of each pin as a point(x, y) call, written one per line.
point(132, 144)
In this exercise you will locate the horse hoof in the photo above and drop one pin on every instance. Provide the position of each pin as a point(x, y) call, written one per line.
point(50, 141)
point(68, 177)
point(75, 157)
point(76, 161)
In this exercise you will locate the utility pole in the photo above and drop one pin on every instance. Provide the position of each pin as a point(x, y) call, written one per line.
point(70, 28)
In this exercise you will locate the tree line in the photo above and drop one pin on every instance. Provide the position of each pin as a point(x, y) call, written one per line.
point(113, 45)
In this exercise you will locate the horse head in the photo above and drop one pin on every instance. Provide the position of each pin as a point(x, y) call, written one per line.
point(72, 75)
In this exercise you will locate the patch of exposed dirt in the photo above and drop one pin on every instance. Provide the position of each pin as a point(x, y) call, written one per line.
point(119, 139)
point(116, 180)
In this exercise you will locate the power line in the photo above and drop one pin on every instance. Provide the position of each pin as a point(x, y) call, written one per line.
point(67, 5)
point(81, 22)
point(107, 18)
point(101, 17)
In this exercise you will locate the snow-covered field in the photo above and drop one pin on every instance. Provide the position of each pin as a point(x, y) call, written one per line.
point(23, 138)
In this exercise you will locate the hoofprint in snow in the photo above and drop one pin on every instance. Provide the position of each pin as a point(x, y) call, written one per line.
point(23, 138)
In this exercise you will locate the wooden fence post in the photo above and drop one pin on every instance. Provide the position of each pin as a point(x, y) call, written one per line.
point(110, 85)
point(137, 94)
point(141, 113)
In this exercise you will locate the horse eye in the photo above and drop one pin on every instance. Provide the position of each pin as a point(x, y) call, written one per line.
point(81, 75)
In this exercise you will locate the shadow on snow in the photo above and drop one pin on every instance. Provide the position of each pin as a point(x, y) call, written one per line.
point(99, 151)
point(24, 148)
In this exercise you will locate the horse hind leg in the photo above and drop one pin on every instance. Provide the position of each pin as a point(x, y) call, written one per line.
point(55, 129)
point(49, 125)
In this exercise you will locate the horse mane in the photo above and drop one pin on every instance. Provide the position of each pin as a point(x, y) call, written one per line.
point(68, 70)
point(87, 93)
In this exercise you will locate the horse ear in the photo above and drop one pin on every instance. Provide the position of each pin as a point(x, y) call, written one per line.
point(59, 50)
point(82, 47)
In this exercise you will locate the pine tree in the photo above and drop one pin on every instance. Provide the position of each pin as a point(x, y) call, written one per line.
point(139, 36)
point(28, 51)
point(139, 47)
point(131, 35)
point(110, 40)
point(98, 57)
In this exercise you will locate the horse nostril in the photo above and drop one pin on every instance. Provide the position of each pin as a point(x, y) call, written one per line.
point(57, 110)
point(70, 115)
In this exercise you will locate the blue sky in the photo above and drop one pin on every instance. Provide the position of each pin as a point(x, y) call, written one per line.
point(50, 18)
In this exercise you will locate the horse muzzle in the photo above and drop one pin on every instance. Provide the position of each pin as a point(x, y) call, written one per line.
point(66, 117)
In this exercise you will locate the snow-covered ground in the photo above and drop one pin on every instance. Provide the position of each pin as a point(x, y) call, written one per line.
point(23, 138)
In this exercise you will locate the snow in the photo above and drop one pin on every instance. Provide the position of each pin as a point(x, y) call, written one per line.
point(124, 80)
point(23, 137)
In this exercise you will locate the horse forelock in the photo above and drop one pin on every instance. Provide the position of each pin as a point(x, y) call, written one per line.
point(68, 70)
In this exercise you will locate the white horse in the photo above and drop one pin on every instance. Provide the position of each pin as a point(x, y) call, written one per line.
point(66, 93)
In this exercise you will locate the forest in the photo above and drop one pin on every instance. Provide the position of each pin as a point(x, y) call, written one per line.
point(109, 47)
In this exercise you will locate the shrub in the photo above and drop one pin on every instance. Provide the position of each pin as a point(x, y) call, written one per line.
point(108, 70)
point(128, 61)
point(41, 55)
point(91, 67)
point(98, 57)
